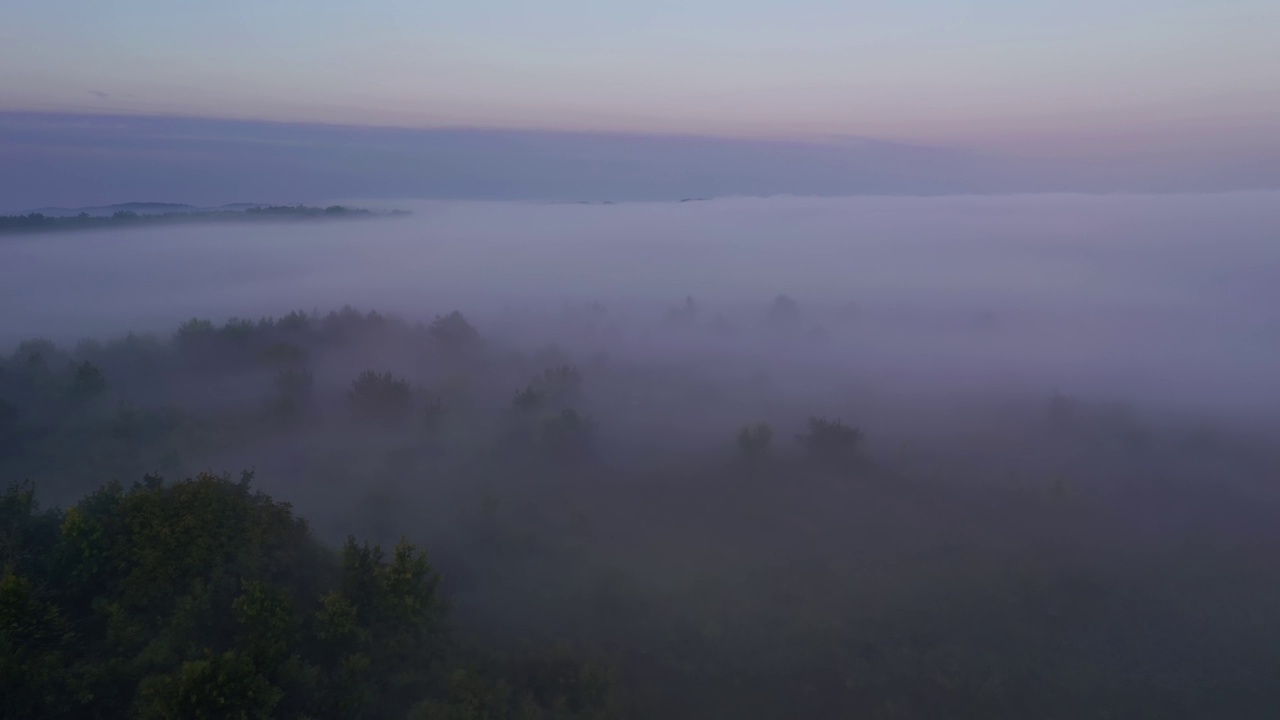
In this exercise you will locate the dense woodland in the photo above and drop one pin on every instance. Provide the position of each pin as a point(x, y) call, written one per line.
point(354, 515)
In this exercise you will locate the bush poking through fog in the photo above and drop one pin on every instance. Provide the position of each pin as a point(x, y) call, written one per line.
point(754, 440)
point(380, 398)
point(830, 442)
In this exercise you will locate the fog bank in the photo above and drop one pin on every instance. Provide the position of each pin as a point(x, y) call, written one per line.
point(1170, 298)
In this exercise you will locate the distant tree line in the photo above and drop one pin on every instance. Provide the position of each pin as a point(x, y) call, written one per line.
point(36, 222)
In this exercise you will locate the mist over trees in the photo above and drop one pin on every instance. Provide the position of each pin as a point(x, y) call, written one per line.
point(427, 518)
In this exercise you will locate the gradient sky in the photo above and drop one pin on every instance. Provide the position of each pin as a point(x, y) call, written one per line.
point(1049, 77)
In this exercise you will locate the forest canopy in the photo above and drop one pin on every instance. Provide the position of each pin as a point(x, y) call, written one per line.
point(424, 519)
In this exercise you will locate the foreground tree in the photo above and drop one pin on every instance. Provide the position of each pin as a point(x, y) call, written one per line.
point(206, 599)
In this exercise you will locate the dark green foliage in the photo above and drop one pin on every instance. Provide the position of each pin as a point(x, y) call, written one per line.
point(205, 599)
point(380, 398)
point(26, 532)
point(830, 442)
point(10, 429)
point(754, 440)
point(35, 642)
point(149, 579)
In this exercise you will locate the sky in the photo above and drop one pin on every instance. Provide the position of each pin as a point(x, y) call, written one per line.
point(1033, 78)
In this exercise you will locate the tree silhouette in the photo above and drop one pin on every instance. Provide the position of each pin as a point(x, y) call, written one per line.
point(753, 440)
point(830, 442)
point(380, 398)
point(453, 331)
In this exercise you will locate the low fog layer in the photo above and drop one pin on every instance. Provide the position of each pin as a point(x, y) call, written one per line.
point(1168, 299)
point(888, 458)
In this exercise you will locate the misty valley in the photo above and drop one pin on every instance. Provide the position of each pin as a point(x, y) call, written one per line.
point(736, 458)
